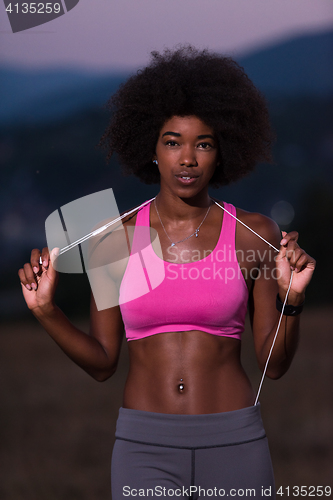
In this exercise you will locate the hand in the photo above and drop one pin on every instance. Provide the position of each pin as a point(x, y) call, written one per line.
point(292, 258)
point(39, 281)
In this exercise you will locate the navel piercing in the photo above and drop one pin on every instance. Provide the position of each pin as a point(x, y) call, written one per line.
point(181, 386)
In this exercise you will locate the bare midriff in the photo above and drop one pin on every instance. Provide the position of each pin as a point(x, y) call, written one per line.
point(190, 372)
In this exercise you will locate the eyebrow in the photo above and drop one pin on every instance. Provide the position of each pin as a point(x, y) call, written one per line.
point(171, 133)
point(203, 136)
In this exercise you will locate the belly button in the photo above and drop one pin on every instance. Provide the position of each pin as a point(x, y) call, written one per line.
point(181, 386)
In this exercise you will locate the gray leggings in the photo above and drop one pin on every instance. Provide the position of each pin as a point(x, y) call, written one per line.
point(158, 455)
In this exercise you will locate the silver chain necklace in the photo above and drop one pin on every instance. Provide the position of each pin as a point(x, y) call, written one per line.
point(187, 237)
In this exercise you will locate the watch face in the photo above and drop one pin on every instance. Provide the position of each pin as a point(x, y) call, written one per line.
point(289, 310)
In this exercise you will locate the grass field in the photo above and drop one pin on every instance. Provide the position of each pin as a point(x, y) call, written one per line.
point(57, 424)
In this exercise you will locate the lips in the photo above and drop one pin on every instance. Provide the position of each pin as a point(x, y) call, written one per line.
point(186, 178)
point(186, 175)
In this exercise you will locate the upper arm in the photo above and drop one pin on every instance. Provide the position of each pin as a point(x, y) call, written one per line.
point(108, 257)
point(263, 313)
point(108, 328)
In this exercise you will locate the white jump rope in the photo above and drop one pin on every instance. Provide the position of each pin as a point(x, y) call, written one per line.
point(118, 219)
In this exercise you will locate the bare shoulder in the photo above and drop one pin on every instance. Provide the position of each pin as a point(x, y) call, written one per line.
point(126, 218)
point(111, 244)
point(114, 225)
point(114, 243)
point(259, 223)
point(130, 219)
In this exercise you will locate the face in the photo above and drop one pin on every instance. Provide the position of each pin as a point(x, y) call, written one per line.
point(187, 155)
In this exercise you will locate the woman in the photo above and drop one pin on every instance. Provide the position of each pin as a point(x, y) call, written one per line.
point(188, 426)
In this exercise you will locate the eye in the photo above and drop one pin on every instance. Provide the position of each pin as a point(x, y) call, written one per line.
point(205, 145)
point(170, 142)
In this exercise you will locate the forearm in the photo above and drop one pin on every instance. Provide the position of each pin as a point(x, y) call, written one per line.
point(286, 341)
point(82, 348)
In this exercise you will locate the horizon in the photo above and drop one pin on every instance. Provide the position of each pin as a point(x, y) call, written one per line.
point(15, 66)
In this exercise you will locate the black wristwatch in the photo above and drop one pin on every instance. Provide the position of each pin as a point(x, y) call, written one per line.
point(289, 310)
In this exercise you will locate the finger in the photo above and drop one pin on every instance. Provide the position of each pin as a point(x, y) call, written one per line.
point(45, 257)
point(30, 276)
point(292, 251)
point(293, 235)
point(23, 279)
point(282, 253)
point(293, 255)
point(34, 260)
point(306, 261)
point(287, 248)
point(52, 258)
point(301, 262)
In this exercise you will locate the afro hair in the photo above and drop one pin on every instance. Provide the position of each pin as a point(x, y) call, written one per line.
point(189, 82)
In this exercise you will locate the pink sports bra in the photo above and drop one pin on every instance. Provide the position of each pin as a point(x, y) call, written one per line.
point(209, 295)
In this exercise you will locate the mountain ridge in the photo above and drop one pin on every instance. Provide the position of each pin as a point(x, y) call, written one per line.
point(301, 65)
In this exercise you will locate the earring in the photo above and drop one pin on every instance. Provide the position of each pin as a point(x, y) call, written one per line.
point(155, 161)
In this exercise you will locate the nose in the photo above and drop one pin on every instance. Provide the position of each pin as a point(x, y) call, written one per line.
point(188, 157)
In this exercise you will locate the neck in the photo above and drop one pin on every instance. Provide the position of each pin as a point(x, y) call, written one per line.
point(174, 207)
